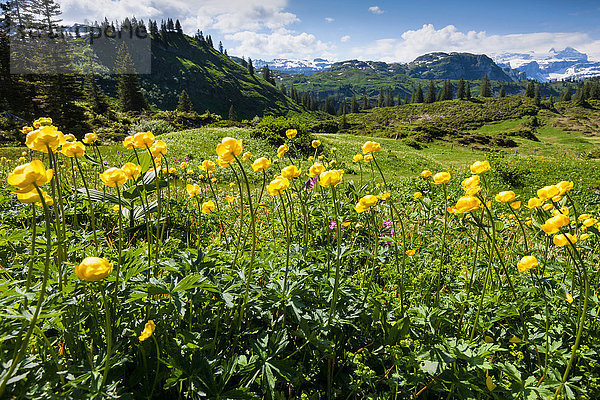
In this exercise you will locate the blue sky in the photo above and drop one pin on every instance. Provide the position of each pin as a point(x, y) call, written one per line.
point(376, 30)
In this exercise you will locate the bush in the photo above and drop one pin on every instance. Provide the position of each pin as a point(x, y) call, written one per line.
point(156, 126)
point(273, 130)
point(327, 126)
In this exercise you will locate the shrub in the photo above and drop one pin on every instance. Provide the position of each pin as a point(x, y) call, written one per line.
point(273, 130)
point(156, 126)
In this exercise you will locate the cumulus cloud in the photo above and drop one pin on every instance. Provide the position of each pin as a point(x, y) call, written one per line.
point(375, 10)
point(345, 38)
point(414, 43)
point(329, 19)
point(281, 43)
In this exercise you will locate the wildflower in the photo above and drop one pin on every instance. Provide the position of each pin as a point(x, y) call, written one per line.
point(315, 170)
point(261, 164)
point(426, 173)
point(315, 143)
point(563, 240)
point(229, 199)
point(480, 167)
point(371, 147)
point(384, 196)
point(113, 177)
point(208, 207)
point(131, 170)
point(183, 165)
point(472, 191)
point(569, 298)
point(333, 150)
point(192, 189)
point(505, 197)
point(189, 171)
point(564, 210)
point(34, 197)
point(291, 133)
point(411, 252)
point(278, 185)
point(281, 150)
point(589, 222)
point(291, 171)
point(357, 158)
point(441, 177)
point(158, 149)
point(467, 203)
point(26, 129)
point(128, 142)
point(116, 208)
point(368, 158)
point(515, 205)
point(45, 137)
point(69, 138)
point(583, 217)
point(534, 202)
point(558, 220)
point(25, 177)
point(90, 138)
point(548, 192)
point(93, 269)
point(330, 178)
point(564, 187)
point(584, 236)
point(417, 195)
point(228, 149)
point(471, 182)
point(141, 140)
point(365, 203)
point(223, 163)
point(527, 263)
point(148, 330)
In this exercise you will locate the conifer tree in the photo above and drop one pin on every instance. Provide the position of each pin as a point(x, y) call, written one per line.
point(178, 27)
point(380, 99)
point(232, 114)
point(283, 89)
point(468, 91)
point(365, 102)
point(566, 95)
point(343, 122)
point(354, 105)
point(447, 91)
point(502, 91)
point(530, 91)
point(250, 66)
point(419, 95)
point(460, 91)
point(399, 101)
point(430, 96)
point(129, 92)
point(406, 99)
point(485, 90)
point(185, 103)
point(220, 47)
point(537, 97)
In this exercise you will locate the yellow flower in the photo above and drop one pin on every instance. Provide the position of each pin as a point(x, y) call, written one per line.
point(365, 203)
point(467, 203)
point(291, 133)
point(192, 189)
point(584, 236)
point(131, 170)
point(26, 129)
point(411, 252)
point(207, 165)
point(189, 171)
point(505, 197)
point(93, 269)
point(515, 205)
point(479, 167)
point(564, 210)
point(583, 217)
point(143, 140)
point(563, 240)
point(25, 177)
point(208, 207)
point(370, 147)
point(69, 138)
point(333, 150)
point(290, 171)
point(183, 165)
point(534, 202)
point(113, 177)
point(589, 222)
point(368, 158)
point(548, 206)
point(315, 143)
point(282, 150)
point(357, 158)
point(441, 177)
point(548, 192)
point(223, 163)
point(158, 149)
point(330, 178)
point(247, 155)
point(426, 173)
point(417, 195)
point(34, 197)
point(558, 221)
point(564, 187)
point(471, 182)
point(569, 298)
point(549, 228)
point(90, 138)
point(278, 185)
point(261, 164)
point(229, 199)
point(148, 330)
point(315, 170)
point(472, 191)
point(45, 137)
point(73, 149)
point(384, 196)
point(116, 208)
point(128, 142)
point(527, 263)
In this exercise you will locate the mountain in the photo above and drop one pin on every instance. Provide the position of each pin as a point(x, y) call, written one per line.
point(554, 65)
point(306, 67)
point(456, 66)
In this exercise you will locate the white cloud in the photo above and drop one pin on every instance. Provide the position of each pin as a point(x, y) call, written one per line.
point(329, 19)
point(375, 10)
point(414, 43)
point(345, 38)
point(280, 43)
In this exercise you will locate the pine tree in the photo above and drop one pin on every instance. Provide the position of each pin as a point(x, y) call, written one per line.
point(283, 89)
point(220, 47)
point(250, 66)
point(485, 90)
point(537, 98)
point(354, 105)
point(380, 98)
point(502, 91)
point(185, 103)
point(232, 114)
point(365, 102)
point(343, 122)
point(178, 27)
point(530, 91)
point(468, 91)
point(419, 95)
point(566, 95)
point(430, 96)
point(460, 91)
point(406, 99)
point(129, 92)
point(399, 100)
point(447, 91)
point(209, 41)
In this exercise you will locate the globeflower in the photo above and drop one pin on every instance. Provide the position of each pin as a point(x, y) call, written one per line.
point(384, 196)
point(207, 165)
point(192, 189)
point(208, 207)
point(90, 138)
point(148, 330)
point(527, 263)
point(471, 182)
point(480, 167)
point(128, 142)
point(564, 187)
point(131, 170)
point(291, 133)
point(93, 269)
point(534, 202)
point(261, 164)
point(284, 148)
point(548, 192)
point(27, 176)
point(278, 185)
point(441, 177)
point(371, 147)
point(143, 140)
point(417, 195)
point(315, 143)
point(290, 171)
point(45, 137)
point(330, 178)
point(467, 203)
point(365, 203)
point(315, 170)
point(357, 158)
point(158, 149)
point(42, 121)
point(563, 240)
point(368, 158)
point(247, 155)
point(113, 177)
point(505, 197)
point(73, 149)
point(34, 197)
point(426, 173)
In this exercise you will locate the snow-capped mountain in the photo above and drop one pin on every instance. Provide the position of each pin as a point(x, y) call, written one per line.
point(306, 67)
point(551, 66)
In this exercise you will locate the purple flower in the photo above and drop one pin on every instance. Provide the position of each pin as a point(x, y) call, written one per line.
point(332, 225)
point(105, 162)
point(310, 184)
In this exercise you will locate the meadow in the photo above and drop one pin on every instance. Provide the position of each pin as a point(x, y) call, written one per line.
point(209, 264)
